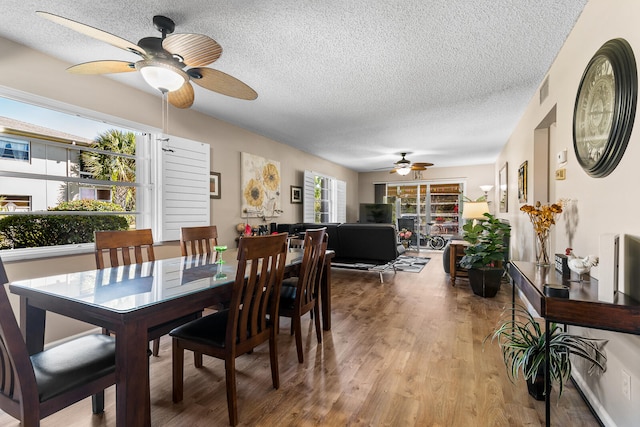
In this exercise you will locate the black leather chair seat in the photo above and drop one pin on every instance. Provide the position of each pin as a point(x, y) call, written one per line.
point(68, 365)
point(288, 297)
point(209, 330)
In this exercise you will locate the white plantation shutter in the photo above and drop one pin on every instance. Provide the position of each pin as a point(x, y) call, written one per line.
point(341, 201)
point(336, 197)
point(308, 197)
point(184, 180)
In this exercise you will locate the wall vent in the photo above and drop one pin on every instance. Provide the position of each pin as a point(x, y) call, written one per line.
point(544, 90)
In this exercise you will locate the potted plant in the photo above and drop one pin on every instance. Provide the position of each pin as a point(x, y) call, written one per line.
point(485, 256)
point(522, 342)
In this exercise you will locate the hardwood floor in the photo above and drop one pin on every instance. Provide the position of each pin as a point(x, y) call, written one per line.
point(408, 352)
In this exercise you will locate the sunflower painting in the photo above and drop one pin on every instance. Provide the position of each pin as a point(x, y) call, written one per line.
point(260, 186)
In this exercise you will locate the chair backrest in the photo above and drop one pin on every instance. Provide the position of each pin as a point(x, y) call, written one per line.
point(296, 243)
point(198, 240)
point(261, 263)
point(120, 244)
point(18, 389)
point(315, 247)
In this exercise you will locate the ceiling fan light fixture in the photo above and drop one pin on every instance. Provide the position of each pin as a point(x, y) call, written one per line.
point(162, 76)
point(403, 171)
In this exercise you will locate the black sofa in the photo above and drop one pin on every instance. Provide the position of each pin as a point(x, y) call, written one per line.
point(356, 245)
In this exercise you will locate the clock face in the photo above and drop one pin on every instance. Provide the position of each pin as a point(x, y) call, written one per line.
point(605, 108)
point(594, 111)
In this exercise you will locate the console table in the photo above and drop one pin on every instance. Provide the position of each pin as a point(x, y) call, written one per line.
point(581, 308)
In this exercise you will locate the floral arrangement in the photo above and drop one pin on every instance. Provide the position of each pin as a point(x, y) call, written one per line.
point(542, 217)
point(404, 236)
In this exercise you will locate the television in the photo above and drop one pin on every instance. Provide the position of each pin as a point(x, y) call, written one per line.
point(376, 213)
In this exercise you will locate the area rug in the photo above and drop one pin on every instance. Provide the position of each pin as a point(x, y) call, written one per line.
point(411, 264)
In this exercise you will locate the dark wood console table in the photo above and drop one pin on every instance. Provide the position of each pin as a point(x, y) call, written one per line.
point(582, 308)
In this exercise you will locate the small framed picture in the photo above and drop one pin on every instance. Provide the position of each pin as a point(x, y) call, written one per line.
point(504, 189)
point(296, 194)
point(522, 182)
point(214, 185)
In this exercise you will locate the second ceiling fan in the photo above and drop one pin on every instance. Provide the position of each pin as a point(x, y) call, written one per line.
point(404, 166)
point(163, 61)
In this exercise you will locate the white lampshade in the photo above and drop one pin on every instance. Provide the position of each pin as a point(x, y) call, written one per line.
point(161, 76)
point(403, 171)
point(475, 210)
point(486, 188)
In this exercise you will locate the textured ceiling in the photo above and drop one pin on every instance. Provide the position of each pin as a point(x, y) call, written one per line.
point(355, 82)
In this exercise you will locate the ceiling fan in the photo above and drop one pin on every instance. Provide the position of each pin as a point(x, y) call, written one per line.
point(404, 166)
point(163, 61)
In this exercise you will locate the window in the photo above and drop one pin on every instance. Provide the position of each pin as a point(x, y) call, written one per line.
point(13, 149)
point(89, 193)
point(63, 164)
point(325, 198)
point(13, 203)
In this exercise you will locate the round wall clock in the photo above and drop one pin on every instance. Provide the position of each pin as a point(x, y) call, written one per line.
point(605, 108)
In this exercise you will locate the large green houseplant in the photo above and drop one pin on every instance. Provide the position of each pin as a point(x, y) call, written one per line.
point(486, 254)
point(522, 342)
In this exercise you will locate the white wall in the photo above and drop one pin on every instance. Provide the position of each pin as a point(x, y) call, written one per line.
point(603, 205)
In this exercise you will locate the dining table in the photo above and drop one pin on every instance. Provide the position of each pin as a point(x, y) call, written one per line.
point(133, 300)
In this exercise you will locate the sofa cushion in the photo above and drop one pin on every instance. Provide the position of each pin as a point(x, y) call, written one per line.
point(332, 232)
point(373, 243)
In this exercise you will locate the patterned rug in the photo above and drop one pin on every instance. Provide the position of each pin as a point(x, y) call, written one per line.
point(411, 264)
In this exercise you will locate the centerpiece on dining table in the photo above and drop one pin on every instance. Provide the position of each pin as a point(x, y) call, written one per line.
point(219, 251)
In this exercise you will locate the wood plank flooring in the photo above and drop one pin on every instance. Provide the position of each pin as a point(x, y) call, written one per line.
point(408, 352)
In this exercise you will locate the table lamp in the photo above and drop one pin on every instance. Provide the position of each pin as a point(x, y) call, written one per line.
point(475, 211)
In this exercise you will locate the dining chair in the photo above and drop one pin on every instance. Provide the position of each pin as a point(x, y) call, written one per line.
point(250, 319)
point(117, 247)
point(299, 295)
point(198, 240)
point(36, 386)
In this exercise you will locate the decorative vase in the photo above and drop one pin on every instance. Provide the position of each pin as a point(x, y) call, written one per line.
point(542, 249)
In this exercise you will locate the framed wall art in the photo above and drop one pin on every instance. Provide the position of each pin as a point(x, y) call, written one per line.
point(296, 194)
point(260, 186)
point(214, 185)
point(522, 182)
point(503, 190)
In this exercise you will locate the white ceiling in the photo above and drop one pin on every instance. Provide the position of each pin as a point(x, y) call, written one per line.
point(355, 82)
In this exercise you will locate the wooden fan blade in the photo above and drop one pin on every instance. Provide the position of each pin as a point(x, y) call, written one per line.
point(103, 67)
point(392, 171)
point(420, 166)
point(183, 97)
point(94, 32)
point(220, 82)
point(196, 50)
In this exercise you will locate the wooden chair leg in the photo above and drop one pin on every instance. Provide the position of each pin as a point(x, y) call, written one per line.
point(197, 359)
point(298, 333)
point(97, 402)
point(232, 402)
point(317, 321)
point(178, 371)
point(156, 347)
point(273, 356)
